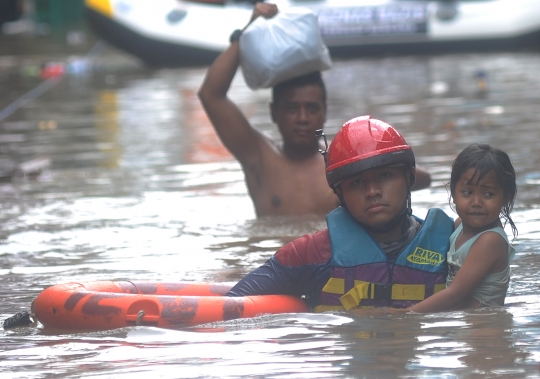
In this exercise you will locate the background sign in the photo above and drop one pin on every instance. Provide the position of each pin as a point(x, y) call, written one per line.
point(373, 20)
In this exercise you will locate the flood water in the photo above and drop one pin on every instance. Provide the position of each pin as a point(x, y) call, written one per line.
point(135, 185)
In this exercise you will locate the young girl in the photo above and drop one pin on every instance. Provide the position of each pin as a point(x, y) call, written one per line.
point(483, 189)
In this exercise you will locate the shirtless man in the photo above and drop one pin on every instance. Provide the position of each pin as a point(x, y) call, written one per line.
point(286, 179)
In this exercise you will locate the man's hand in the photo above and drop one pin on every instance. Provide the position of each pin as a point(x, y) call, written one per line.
point(266, 10)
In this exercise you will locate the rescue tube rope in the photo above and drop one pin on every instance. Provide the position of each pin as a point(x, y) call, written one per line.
point(140, 315)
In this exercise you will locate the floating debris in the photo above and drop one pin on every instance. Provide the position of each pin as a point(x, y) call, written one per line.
point(52, 70)
point(23, 318)
point(31, 168)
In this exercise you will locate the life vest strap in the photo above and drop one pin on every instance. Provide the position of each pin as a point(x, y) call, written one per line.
point(330, 308)
point(439, 287)
point(335, 286)
point(374, 291)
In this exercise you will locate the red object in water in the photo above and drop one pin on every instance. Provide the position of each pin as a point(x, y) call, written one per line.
point(52, 70)
point(106, 305)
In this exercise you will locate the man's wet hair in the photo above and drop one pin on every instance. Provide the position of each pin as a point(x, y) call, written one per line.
point(313, 78)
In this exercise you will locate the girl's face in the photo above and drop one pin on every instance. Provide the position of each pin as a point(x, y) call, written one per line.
point(478, 203)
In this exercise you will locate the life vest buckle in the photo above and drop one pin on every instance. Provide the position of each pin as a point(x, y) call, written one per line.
point(381, 291)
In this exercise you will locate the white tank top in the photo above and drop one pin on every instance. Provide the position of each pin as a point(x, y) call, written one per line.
point(491, 291)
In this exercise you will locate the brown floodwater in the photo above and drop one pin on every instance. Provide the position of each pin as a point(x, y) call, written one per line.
point(113, 172)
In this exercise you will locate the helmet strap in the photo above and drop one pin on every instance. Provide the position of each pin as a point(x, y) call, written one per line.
point(409, 204)
point(339, 195)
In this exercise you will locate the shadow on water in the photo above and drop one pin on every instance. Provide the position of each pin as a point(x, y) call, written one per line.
point(138, 187)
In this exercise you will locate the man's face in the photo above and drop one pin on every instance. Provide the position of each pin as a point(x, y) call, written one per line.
point(299, 112)
point(377, 196)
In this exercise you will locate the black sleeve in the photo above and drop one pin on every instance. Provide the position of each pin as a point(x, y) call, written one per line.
point(274, 278)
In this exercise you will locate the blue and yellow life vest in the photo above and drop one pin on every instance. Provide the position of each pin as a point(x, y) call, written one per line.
point(362, 276)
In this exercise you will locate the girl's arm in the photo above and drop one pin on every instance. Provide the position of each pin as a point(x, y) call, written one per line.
point(486, 255)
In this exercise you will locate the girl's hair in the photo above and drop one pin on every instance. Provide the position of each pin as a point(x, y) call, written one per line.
point(484, 159)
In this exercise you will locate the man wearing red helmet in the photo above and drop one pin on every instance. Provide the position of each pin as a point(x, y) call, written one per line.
point(286, 179)
point(374, 252)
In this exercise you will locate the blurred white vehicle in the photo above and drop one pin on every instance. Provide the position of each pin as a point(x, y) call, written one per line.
point(178, 33)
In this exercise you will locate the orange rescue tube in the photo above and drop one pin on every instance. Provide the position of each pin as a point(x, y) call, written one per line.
point(104, 305)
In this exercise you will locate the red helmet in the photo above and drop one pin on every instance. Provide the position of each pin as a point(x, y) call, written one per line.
point(364, 143)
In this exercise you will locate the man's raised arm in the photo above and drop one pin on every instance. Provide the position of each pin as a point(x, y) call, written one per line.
point(230, 123)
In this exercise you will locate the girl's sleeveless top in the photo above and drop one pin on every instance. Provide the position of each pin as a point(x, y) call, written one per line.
point(491, 291)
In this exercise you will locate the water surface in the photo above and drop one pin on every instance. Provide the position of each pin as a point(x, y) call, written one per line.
point(136, 186)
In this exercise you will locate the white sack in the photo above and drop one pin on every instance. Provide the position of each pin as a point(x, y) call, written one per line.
point(282, 47)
